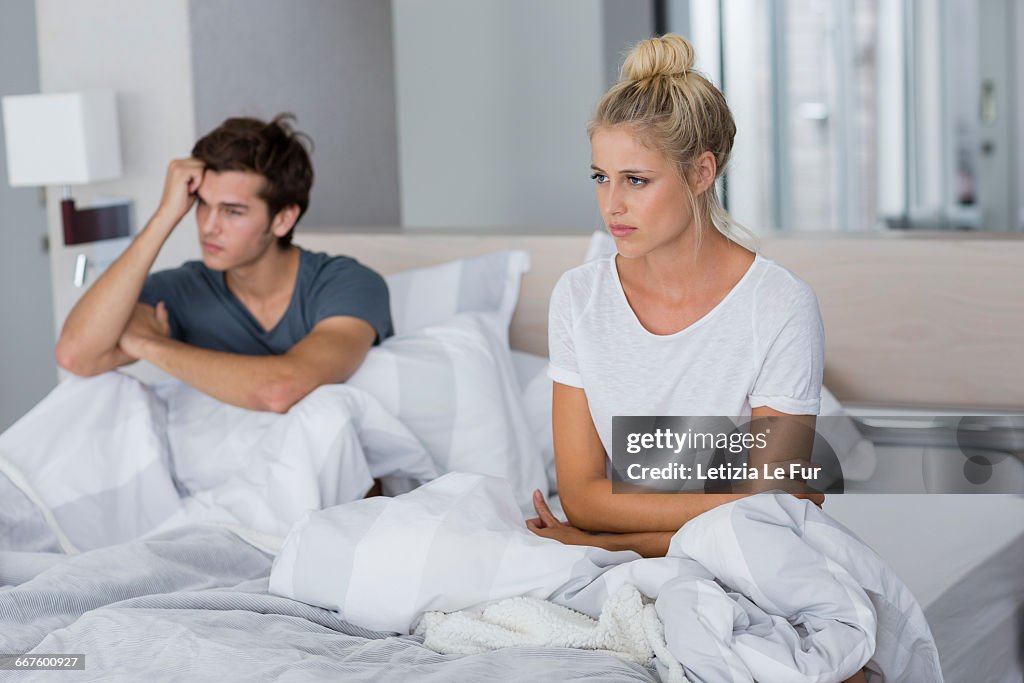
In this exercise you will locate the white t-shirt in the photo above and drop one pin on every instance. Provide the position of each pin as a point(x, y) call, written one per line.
point(762, 345)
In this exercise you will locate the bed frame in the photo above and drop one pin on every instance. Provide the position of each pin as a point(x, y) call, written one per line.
point(929, 321)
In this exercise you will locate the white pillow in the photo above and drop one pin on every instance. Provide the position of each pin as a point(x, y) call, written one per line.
point(536, 390)
point(212, 442)
point(453, 385)
point(856, 453)
point(481, 284)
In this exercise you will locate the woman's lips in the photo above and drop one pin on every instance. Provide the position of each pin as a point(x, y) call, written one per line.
point(619, 230)
point(211, 248)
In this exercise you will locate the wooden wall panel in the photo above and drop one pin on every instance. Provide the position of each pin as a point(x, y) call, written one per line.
point(915, 321)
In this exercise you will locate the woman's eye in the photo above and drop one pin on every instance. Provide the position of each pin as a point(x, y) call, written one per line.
point(599, 177)
point(636, 181)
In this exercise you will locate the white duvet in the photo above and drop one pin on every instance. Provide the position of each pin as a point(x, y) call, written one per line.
point(768, 588)
point(109, 459)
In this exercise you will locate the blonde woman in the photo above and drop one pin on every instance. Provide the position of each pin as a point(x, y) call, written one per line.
point(686, 319)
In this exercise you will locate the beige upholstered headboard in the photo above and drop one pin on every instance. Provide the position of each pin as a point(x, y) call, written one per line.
point(929, 321)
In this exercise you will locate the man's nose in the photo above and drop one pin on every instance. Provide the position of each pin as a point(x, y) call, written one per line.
point(208, 224)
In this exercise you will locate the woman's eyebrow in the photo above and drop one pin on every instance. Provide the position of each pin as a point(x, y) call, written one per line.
point(628, 171)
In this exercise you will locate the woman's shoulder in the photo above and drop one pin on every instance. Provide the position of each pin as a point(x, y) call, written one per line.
point(781, 298)
point(581, 282)
point(780, 284)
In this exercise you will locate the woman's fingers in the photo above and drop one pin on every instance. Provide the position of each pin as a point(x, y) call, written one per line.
point(816, 498)
point(543, 511)
point(537, 526)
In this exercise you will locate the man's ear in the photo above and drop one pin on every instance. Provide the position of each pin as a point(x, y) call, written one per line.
point(284, 220)
point(704, 170)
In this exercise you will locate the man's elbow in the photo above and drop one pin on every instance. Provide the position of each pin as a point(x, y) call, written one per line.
point(278, 396)
point(69, 358)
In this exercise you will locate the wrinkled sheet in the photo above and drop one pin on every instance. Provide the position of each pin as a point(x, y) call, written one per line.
point(767, 588)
point(191, 604)
point(109, 459)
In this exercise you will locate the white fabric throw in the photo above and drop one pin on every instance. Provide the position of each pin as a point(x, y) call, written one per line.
point(628, 627)
point(767, 588)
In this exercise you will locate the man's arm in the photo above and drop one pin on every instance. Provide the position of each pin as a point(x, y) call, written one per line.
point(330, 353)
point(88, 343)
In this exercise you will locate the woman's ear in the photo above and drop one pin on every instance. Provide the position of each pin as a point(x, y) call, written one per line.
point(284, 220)
point(703, 173)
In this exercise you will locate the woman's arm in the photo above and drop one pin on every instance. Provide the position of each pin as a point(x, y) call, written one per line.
point(586, 492)
point(645, 543)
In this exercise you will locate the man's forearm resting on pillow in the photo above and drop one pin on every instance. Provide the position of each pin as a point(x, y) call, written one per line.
point(329, 354)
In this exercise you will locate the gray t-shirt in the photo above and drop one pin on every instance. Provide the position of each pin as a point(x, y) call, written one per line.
point(203, 312)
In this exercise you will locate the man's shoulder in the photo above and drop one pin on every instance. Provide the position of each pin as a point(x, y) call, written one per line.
point(189, 277)
point(187, 270)
point(321, 268)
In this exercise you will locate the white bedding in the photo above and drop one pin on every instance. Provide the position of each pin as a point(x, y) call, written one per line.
point(766, 588)
point(106, 459)
point(962, 557)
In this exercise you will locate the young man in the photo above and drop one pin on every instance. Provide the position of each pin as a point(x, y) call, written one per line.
point(258, 323)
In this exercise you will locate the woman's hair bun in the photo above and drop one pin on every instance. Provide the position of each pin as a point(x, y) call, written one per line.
point(668, 55)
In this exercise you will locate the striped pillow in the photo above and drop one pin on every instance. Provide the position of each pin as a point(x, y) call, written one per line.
point(481, 284)
point(454, 386)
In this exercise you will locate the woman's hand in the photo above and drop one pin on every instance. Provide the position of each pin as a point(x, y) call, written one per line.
point(549, 526)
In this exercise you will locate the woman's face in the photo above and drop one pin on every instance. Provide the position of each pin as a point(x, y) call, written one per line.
point(643, 200)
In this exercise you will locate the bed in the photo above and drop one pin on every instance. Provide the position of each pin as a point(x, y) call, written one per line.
point(203, 588)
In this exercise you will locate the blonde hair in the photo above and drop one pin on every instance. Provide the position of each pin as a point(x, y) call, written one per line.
point(677, 111)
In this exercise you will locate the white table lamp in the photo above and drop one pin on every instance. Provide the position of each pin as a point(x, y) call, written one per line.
point(68, 139)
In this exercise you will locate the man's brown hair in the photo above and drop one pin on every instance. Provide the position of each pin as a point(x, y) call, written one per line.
point(274, 150)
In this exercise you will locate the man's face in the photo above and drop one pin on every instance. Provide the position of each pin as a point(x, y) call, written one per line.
point(234, 222)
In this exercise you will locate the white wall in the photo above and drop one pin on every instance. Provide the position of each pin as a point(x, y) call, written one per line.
point(493, 103)
point(141, 51)
point(27, 368)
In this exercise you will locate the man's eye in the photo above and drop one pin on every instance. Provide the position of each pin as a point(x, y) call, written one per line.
point(234, 212)
point(636, 181)
point(599, 177)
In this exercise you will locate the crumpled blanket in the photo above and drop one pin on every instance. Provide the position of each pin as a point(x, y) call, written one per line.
point(767, 588)
point(109, 459)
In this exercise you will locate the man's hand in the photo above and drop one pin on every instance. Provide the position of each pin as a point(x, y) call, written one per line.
point(184, 176)
point(147, 323)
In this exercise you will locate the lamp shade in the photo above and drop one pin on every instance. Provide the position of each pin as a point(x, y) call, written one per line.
point(61, 139)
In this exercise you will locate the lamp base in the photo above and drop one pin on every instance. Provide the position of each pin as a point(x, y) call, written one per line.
point(94, 224)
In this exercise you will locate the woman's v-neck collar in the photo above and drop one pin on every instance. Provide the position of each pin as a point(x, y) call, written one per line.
point(696, 323)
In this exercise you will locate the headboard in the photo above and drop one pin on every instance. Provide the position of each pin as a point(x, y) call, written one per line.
point(928, 321)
